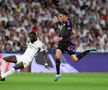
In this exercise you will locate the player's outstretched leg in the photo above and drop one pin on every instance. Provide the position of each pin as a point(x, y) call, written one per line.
point(11, 71)
point(77, 58)
point(3, 66)
point(81, 55)
point(5, 60)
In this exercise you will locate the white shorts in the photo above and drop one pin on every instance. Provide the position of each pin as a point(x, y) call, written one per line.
point(23, 59)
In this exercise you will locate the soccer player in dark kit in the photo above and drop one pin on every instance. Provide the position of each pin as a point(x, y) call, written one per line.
point(64, 40)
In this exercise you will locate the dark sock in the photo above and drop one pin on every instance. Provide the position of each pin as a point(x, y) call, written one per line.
point(58, 66)
point(19, 66)
point(81, 55)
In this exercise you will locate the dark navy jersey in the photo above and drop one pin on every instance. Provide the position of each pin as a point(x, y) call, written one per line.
point(66, 29)
point(66, 44)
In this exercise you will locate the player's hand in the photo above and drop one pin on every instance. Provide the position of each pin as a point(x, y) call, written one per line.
point(57, 39)
point(46, 65)
point(55, 19)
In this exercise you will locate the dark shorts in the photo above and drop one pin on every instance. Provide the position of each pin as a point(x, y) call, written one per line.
point(67, 46)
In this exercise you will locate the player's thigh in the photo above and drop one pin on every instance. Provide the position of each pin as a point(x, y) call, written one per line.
point(58, 53)
point(60, 50)
point(71, 51)
point(22, 59)
point(10, 59)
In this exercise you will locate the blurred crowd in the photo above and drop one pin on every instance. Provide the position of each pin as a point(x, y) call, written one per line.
point(19, 17)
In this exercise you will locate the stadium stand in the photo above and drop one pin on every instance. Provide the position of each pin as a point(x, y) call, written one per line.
point(19, 17)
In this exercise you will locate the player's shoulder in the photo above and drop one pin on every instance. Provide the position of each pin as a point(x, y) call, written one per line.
point(38, 42)
point(69, 22)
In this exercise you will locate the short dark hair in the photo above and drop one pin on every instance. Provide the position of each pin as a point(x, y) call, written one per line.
point(64, 12)
point(32, 34)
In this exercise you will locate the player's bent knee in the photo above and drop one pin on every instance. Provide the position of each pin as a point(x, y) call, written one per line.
point(58, 54)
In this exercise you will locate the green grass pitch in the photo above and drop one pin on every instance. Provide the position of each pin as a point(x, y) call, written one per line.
point(45, 81)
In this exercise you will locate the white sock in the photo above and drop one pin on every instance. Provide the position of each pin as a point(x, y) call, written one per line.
point(9, 72)
point(3, 66)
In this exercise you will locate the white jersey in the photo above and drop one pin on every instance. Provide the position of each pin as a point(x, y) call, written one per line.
point(31, 51)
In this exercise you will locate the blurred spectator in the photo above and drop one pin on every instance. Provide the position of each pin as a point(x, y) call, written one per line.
point(34, 28)
point(8, 48)
point(1, 47)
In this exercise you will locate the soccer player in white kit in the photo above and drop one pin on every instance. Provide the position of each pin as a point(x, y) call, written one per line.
point(22, 61)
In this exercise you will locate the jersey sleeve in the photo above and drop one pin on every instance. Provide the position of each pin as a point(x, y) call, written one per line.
point(43, 48)
point(69, 28)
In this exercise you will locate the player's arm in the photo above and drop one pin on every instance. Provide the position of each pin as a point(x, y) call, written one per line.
point(68, 31)
point(56, 21)
point(43, 50)
point(45, 58)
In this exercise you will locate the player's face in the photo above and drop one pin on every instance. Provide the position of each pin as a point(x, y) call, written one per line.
point(33, 38)
point(61, 17)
